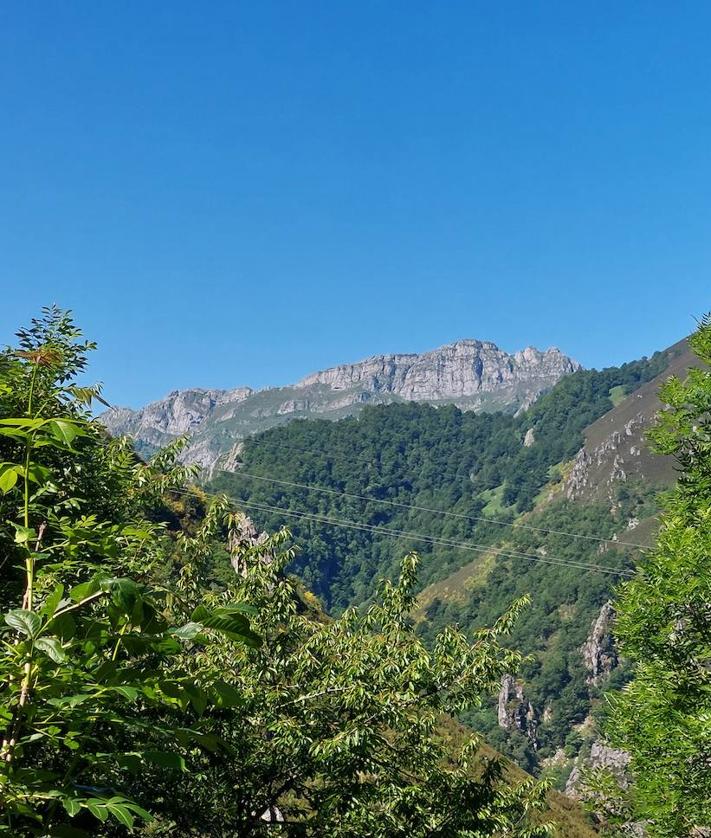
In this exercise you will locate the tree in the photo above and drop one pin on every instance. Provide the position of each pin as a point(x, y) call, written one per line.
point(344, 722)
point(663, 716)
point(93, 687)
point(135, 677)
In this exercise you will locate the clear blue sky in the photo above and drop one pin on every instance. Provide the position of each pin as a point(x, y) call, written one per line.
point(233, 193)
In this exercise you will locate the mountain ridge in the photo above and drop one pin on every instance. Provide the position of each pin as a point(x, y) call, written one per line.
point(472, 374)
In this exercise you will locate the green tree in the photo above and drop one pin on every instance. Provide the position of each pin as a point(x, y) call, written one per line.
point(136, 674)
point(663, 716)
point(93, 686)
point(344, 722)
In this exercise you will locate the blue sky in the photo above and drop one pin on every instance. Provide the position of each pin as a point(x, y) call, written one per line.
point(239, 193)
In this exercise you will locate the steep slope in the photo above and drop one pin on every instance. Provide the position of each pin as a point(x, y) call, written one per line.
point(615, 448)
point(474, 375)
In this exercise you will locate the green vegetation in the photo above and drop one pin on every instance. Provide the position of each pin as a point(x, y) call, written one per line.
point(137, 673)
point(465, 464)
point(399, 464)
point(663, 716)
point(617, 394)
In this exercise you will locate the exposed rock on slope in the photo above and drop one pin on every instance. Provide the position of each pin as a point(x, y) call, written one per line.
point(515, 711)
point(599, 653)
point(615, 447)
point(601, 756)
point(474, 375)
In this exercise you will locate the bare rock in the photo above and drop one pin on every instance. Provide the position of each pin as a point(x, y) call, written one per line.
point(514, 711)
point(599, 653)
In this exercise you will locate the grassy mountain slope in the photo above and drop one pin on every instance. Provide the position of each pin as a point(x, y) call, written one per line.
point(615, 447)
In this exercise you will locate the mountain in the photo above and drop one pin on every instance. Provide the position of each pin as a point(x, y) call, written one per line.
point(473, 375)
point(498, 505)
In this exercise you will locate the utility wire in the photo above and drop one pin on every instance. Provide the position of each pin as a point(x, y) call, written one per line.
point(399, 505)
point(478, 548)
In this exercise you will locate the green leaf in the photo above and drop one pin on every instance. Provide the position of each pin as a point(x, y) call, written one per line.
point(52, 601)
point(65, 431)
point(121, 813)
point(97, 808)
point(38, 474)
point(26, 622)
point(9, 473)
point(139, 811)
point(24, 422)
point(165, 759)
point(71, 805)
point(131, 693)
point(229, 622)
point(198, 698)
point(85, 589)
point(52, 647)
point(187, 632)
point(227, 695)
point(17, 433)
point(23, 534)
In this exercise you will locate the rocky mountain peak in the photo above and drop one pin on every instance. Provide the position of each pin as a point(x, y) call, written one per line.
point(465, 368)
point(473, 374)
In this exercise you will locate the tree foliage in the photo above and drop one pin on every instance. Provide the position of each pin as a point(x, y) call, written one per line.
point(663, 717)
point(137, 675)
point(93, 686)
point(400, 466)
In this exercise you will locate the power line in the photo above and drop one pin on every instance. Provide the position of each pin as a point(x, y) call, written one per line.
point(417, 508)
point(478, 548)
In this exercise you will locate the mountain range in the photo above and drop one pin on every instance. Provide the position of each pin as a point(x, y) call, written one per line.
point(471, 374)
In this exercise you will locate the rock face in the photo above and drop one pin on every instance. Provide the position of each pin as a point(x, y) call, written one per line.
point(180, 412)
point(464, 369)
point(599, 653)
point(616, 454)
point(244, 535)
point(514, 711)
point(601, 756)
point(474, 375)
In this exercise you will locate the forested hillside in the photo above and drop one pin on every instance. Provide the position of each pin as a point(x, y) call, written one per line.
point(449, 484)
point(472, 467)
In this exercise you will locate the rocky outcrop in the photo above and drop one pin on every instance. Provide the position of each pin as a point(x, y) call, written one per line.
point(463, 369)
point(180, 412)
point(474, 375)
point(599, 653)
point(243, 535)
point(614, 452)
point(514, 711)
point(601, 756)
